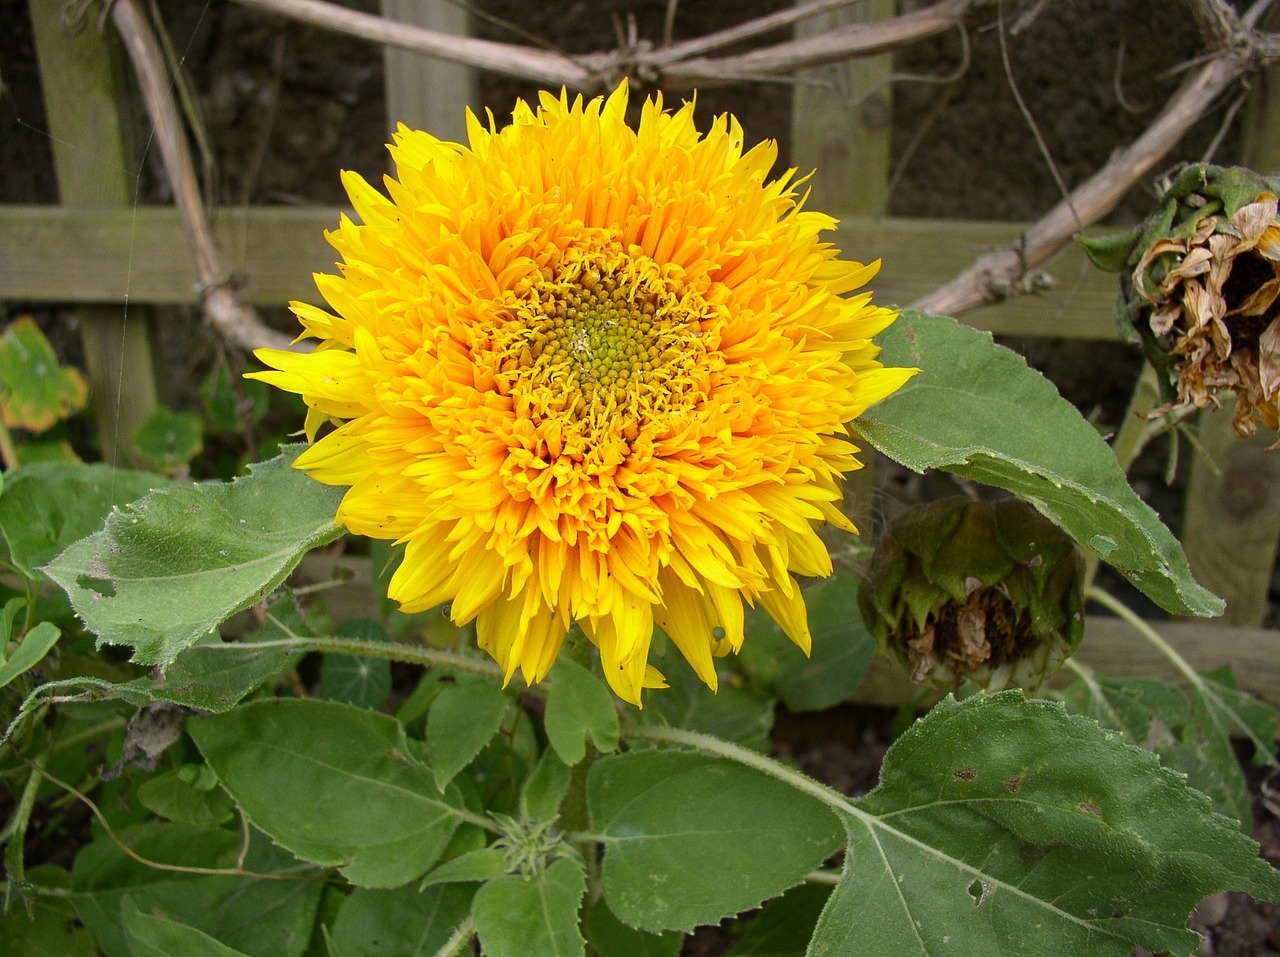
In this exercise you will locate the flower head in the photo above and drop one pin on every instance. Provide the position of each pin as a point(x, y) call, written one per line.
point(989, 591)
point(1213, 298)
point(590, 373)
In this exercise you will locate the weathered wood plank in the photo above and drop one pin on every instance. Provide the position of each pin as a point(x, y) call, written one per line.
point(423, 92)
point(1112, 649)
point(51, 254)
point(83, 88)
point(842, 118)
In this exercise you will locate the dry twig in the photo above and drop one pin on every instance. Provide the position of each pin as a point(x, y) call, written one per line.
point(234, 320)
point(1237, 50)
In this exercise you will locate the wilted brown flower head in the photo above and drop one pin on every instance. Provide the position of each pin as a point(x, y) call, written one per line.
point(1214, 304)
point(989, 591)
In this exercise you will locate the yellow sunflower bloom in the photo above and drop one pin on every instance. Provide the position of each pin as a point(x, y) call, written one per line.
point(590, 373)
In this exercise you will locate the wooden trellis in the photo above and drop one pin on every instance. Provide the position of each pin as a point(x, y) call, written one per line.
point(96, 251)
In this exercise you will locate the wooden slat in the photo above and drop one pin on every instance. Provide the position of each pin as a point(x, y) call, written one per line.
point(842, 120)
point(50, 254)
point(84, 89)
point(423, 92)
point(1114, 650)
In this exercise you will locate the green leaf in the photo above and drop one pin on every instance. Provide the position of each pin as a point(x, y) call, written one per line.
point(187, 795)
point(229, 404)
point(404, 922)
point(261, 917)
point(518, 916)
point(482, 864)
point(732, 713)
point(169, 439)
point(171, 567)
point(153, 936)
point(334, 784)
point(1007, 826)
point(691, 839)
point(50, 929)
point(462, 720)
point(1193, 737)
point(545, 788)
point(579, 705)
point(36, 643)
point(1110, 251)
point(50, 505)
point(35, 391)
point(978, 411)
point(609, 936)
point(842, 648)
point(356, 679)
point(785, 924)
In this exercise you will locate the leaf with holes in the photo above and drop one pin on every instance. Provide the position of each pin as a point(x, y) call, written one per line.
point(1007, 826)
point(171, 567)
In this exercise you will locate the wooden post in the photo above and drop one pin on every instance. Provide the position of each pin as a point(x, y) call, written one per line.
point(422, 92)
point(83, 88)
point(1232, 522)
point(841, 121)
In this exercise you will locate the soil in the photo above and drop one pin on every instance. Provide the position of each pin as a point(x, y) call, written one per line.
point(287, 106)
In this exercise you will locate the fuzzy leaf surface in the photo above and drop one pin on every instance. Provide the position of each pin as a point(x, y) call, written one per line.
point(169, 568)
point(48, 506)
point(336, 785)
point(1006, 826)
point(579, 706)
point(978, 411)
point(463, 719)
point(691, 839)
point(517, 916)
point(404, 922)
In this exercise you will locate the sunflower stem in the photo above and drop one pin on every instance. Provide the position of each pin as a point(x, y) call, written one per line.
point(392, 651)
point(458, 944)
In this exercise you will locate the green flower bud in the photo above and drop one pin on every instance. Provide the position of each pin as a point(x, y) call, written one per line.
point(1200, 289)
point(990, 591)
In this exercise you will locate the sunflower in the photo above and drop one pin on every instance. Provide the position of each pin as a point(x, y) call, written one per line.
point(590, 373)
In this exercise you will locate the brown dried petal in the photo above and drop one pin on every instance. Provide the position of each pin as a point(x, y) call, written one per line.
point(1269, 360)
point(1253, 219)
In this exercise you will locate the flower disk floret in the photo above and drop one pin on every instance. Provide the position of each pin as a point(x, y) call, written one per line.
point(595, 373)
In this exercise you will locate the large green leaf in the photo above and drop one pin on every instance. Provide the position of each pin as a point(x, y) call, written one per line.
point(404, 922)
point(462, 720)
point(49, 928)
point(1190, 736)
point(50, 505)
point(258, 916)
point(171, 567)
point(691, 839)
point(151, 935)
point(519, 916)
point(1006, 826)
point(334, 784)
point(978, 411)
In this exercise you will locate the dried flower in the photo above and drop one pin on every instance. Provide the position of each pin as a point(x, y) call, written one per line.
point(989, 591)
point(1200, 284)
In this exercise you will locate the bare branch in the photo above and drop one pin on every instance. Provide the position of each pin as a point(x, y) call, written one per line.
point(746, 31)
point(236, 321)
point(862, 39)
point(509, 59)
point(997, 275)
